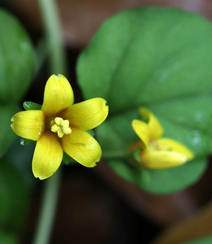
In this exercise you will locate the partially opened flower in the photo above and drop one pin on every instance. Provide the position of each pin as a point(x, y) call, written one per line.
point(61, 126)
point(158, 152)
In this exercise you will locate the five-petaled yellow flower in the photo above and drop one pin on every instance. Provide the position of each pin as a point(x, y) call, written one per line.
point(61, 126)
point(157, 152)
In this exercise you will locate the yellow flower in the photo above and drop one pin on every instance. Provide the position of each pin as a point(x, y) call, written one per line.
point(61, 126)
point(157, 152)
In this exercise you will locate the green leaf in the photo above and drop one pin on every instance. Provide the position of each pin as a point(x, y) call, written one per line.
point(159, 58)
point(13, 195)
point(193, 112)
point(174, 179)
point(7, 135)
point(31, 106)
point(127, 171)
point(8, 238)
point(201, 240)
point(162, 181)
point(17, 58)
point(143, 56)
point(116, 136)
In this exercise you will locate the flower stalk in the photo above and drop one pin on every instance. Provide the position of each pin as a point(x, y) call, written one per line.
point(53, 31)
point(47, 211)
point(58, 65)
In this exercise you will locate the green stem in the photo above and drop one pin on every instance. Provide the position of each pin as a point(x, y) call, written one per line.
point(46, 217)
point(54, 38)
point(58, 66)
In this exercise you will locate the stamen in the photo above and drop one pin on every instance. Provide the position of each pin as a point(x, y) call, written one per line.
point(58, 121)
point(60, 126)
point(55, 128)
point(164, 148)
point(160, 147)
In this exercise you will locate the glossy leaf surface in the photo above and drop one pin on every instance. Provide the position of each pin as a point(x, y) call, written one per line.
point(17, 58)
point(159, 58)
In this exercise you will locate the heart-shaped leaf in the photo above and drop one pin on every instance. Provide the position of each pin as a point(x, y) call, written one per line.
point(141, 56)
point(159, 58)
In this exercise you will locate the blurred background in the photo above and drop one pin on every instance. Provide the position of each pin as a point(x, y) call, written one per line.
point(95, 205)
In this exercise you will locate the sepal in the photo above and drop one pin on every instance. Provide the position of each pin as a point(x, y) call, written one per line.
point(26, 142)
point(31, 106)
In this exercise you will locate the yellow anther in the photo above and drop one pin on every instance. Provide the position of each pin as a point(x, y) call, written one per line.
point(65, 123)
point(66, 128)
point(58, 121)
point(60, 126)
point(55, 128)
point(60, 133)
point(156, 146)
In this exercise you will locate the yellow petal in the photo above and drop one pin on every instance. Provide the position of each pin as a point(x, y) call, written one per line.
point(29, 124)
point(172, 145)
point(162, 159)
point(47, 157)
point(82, 147)
point(88, 114)
point(141, 129)
point(154, 127)
point(58, 95)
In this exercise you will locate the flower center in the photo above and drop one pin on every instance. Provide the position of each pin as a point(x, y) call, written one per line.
point(60, 126)
point(159, 147)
